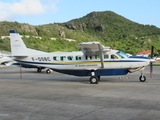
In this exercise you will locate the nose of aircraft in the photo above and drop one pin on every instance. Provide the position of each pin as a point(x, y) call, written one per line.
point(152, 60)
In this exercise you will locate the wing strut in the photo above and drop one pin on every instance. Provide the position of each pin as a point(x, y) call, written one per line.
point(101, 56)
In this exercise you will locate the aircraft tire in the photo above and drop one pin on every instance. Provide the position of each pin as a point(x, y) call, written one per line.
point(94, 80)
point(142, 78)
point(39, 70)
point(48, 71)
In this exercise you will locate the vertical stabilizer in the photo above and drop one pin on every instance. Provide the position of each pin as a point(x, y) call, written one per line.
point(18, 48)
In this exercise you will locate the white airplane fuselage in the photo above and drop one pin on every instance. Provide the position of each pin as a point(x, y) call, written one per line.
point(68, 61)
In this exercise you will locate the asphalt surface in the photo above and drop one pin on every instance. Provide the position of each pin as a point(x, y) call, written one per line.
point(55, 96)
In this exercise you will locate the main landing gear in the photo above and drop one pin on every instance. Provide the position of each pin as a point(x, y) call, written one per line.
point(48, 71)
point(39, 70)
point(94, 79)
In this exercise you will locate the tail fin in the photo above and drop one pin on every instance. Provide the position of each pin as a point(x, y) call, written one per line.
point(18, 48)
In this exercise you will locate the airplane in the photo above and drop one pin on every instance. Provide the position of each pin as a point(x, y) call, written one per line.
point(94, 60)
point(7, 60)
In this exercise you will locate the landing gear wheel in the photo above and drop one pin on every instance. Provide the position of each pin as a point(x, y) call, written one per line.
point(48, 71)
point(142, 78)
point(39, 70)
point(94, 80)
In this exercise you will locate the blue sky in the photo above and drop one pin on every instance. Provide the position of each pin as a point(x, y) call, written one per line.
point(38, 12)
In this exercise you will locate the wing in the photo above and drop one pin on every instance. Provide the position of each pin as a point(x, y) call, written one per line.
point(94, 48)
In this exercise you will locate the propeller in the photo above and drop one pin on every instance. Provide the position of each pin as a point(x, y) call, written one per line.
point(151, 65)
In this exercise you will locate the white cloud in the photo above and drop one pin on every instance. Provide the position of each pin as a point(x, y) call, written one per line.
point(26, 7)
point(4, 13)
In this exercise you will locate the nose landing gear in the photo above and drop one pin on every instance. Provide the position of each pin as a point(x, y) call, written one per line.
point(142, 78)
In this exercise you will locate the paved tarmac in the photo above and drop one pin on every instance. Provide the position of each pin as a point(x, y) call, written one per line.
point(41, 96)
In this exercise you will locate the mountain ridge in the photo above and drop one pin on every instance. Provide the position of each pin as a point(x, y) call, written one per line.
point(106, 27)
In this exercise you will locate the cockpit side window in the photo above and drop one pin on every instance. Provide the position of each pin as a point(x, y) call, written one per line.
point(114, 56)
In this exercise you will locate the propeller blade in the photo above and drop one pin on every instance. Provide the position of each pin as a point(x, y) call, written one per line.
point(151, 69)
point(152, 51)
point(151, 65)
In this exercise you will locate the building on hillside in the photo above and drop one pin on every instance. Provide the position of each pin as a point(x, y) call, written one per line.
point(144, 53)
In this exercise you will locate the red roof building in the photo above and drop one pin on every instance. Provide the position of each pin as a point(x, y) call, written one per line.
point(147, 53)
point(144, 53)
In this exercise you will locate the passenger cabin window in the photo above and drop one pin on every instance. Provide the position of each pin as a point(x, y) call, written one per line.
point(88, 57)
point(70, 57)
point(97, 57)
point(106, 57)
point(78, 58)
point(56, 58)
point(63, 58)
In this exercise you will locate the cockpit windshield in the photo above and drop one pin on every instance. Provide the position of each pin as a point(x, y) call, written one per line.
point(122, 54)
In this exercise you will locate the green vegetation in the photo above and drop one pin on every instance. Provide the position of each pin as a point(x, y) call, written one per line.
point(106, 27)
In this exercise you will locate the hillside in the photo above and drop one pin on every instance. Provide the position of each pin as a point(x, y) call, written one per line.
point(107, 27)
